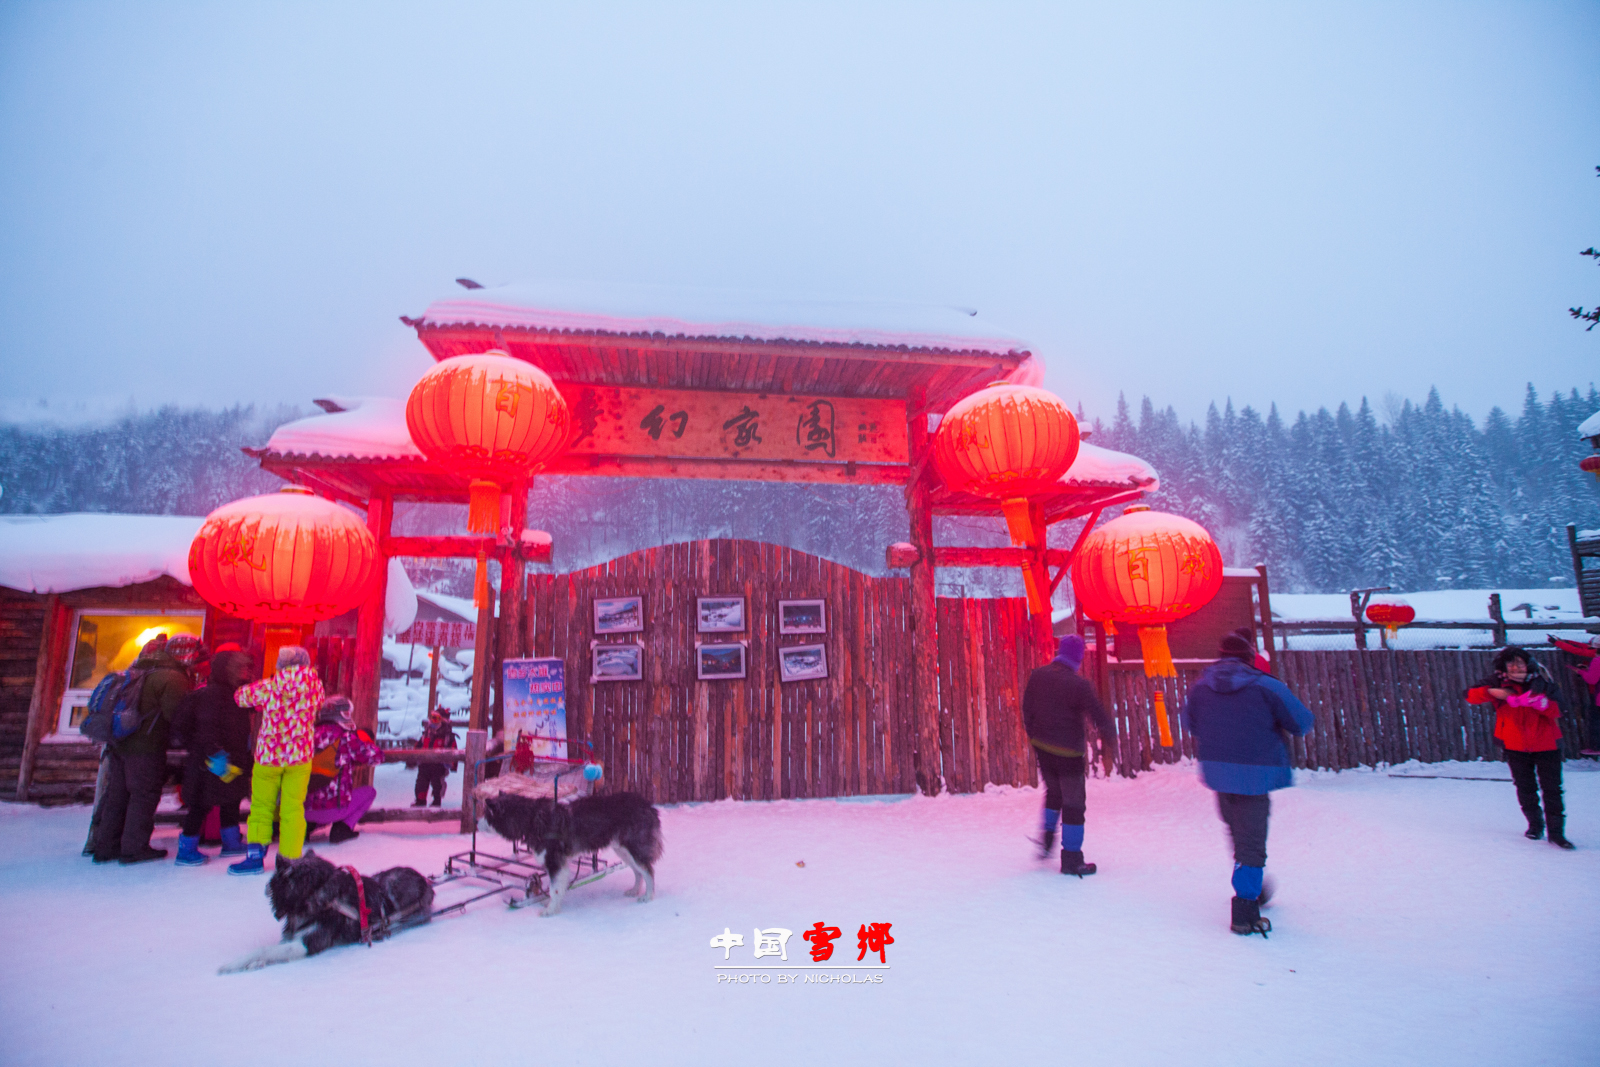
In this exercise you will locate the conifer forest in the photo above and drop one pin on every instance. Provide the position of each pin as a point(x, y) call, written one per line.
point(1415, 496)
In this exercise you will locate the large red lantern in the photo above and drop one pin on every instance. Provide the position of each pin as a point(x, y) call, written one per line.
point(1008, 442)
point(1391, 613)
point(1147, 568)
point(287, 559)
point(491, 418)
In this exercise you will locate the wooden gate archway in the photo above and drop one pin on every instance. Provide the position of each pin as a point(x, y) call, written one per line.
point(676, 738)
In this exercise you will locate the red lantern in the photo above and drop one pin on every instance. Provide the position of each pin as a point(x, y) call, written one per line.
point(1147, 568)
point(1391, 614)
point(287, 559)
point(1590, 464)
point(490, 417)
point(1008, 442)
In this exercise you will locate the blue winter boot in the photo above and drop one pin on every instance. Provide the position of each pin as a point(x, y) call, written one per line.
point(189, 854)
point(232, 842)
point(254, 862)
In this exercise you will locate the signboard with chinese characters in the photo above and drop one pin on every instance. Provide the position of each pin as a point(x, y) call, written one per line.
point(536, 703)
point(763, 427)
point(439, 633)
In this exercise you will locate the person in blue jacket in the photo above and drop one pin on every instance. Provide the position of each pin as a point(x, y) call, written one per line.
point(1240, 719)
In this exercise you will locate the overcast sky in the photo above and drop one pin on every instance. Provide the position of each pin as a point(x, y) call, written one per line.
point(210, 203)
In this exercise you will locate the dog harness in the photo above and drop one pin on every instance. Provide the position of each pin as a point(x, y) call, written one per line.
point(361, 900)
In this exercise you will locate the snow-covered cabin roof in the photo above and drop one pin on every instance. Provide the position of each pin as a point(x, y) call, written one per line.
point(359, 427)
point(1590, 427)
point(63, 553)
point(60, 553)
point(718, 314)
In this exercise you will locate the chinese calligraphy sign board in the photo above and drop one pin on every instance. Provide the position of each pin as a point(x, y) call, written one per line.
point(536, 703)
point(760, 427)
point(437, 633)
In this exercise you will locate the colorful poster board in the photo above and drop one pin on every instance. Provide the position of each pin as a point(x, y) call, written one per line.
point(536, 703)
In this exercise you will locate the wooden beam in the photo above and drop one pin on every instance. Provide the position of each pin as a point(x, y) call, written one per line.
point(443, 547)
point(1039, 574)
point(369, 629)
point(723, 469)
point(949, 556)
point(929, 759)
point(1077, 546)
point(54, 638)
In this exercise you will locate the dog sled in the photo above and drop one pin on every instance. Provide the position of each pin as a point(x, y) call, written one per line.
point(519, 878)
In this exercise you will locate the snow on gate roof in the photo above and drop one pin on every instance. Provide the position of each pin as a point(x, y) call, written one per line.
point(671, 312)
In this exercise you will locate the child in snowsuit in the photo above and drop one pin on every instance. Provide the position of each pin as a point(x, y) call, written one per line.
point(437, 734)
point(334, 800)
point(1055, 706)
point(1526, 724)
point(1239, 717)
point(288, 702)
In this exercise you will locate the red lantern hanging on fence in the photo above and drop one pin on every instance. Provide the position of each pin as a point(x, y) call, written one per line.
point(491, 418)
point(287, 559)
point(1391, 613)
point(1009, 442)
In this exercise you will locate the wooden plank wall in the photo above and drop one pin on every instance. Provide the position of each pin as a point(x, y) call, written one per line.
point(1370, 707)
point(675, 738)
point(985, 657)
point(21, 632)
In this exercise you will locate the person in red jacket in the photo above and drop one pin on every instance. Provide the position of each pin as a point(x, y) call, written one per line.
point(1526, 723)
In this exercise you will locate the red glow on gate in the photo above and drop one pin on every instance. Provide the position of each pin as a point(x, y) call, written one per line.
point(1006, 441)
point(285, 558)
point(490, 418)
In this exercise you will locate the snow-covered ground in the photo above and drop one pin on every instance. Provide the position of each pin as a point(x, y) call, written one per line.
point(1414, 924)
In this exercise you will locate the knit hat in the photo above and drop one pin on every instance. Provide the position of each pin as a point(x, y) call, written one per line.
point(336, 710)
point(1070, 651)
point(188, 650)
point(1237, 647)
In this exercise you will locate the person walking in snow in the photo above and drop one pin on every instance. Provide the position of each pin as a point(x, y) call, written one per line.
point(335, 801)
point(216, 731)
point(437, 734)
point(136, 766)
point(1055, 706)
point(1239, 717)
point(288, 702)
point(1527, 724)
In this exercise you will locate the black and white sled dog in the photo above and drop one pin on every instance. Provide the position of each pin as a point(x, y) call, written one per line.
point(557, 833)
point(321, 907)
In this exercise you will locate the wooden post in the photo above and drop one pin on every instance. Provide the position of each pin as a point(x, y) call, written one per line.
point(1499, 618)
point(477, 744)
point(433, 680)
point(1266, 620)
point(369, 631)
point(1356, 605)
point(1044, 631)
point(54, 638)
point(927, 761)
point(479, 709)
point(509, 632)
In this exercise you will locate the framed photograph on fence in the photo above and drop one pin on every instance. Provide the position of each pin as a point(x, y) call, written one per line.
point(719, 614)
point(716, 661)
point(619, 615)
point(802, 617)
point(797, 663)
point(616, 662)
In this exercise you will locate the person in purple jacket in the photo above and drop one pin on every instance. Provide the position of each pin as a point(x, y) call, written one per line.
point(1239, 718)
point(334, 800)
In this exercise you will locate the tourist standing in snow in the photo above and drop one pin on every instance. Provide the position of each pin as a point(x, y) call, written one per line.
point(288, 702)
point(216, 731)
point(335, 801)
point(1526, 723)
point(136, 766)
point(437, 734)
point(1055, 706)
point(1239, 717)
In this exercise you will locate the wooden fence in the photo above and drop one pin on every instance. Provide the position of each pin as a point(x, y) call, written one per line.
point(1369, 707)
point(985, 656)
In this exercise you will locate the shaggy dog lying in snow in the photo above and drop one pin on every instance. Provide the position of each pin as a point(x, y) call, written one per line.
point(555, 833)
point(321, 907)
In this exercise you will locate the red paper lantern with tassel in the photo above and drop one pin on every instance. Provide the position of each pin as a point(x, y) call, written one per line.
point(287, 559)
point(1009, 442)
point(1147, 568)
point(1391, 614)
point(491, 418)
point(1590, 464)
